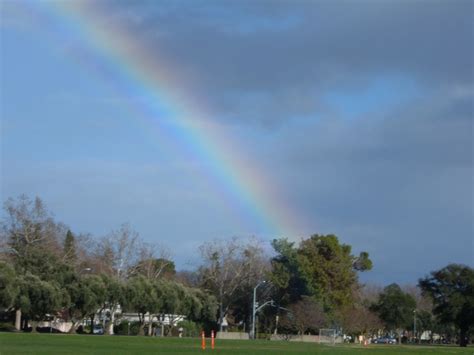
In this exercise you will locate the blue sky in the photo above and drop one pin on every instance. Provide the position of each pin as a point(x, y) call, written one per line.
point(360, 112)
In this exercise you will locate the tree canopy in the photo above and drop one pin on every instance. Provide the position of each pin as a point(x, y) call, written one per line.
point(452, 291)
point(395, 308)
point(319, 267)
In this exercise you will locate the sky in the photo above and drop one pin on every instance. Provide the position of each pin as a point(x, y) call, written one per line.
point(197, 120)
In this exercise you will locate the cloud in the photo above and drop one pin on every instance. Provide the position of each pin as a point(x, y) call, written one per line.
point(395, 185)
point(361, 113)
point(273, 60)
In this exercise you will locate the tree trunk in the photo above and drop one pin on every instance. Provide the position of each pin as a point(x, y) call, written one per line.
point(34, 324)
point(150, 325)
point(110, 331)
point(141, 329)
point(221, 316)
point(18, 319)
point(73, 327)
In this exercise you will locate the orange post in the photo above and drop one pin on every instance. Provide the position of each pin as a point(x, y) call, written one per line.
point(203, 342)
point(212, 340)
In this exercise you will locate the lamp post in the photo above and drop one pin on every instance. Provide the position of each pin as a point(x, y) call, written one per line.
point(254, 307)
point(86, 269)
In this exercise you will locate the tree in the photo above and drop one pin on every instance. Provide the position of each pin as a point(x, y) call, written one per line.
point(38, 298)
point(30, 241)
point(230, 267)
point(452, 291)
point(29, 232)
point(118, 253)
point(115, 290)
point(304, 316)
point(141, 297)
point(395, 308)
point(359, 320)
point(319, 267)
point(86, 296)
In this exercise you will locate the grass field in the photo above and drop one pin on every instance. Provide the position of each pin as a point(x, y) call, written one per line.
point(85, 344)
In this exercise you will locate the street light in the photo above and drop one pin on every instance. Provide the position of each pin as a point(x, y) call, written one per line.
point(254, 306)
point(84, 270)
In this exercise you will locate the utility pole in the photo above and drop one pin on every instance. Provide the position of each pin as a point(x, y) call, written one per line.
point(254, 307)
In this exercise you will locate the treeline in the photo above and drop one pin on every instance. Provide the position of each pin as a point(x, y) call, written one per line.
point(47, 270)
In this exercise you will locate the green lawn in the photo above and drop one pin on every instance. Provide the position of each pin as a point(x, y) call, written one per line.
point(86, 344)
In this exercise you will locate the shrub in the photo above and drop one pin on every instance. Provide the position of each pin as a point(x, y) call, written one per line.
point(190, 329)
point(7, 327)
point(123, 328)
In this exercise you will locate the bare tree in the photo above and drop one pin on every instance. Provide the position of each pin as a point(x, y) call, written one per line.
point(228, 266)
point(155, 262)
point(29, 225)
point(304, 316)
point(118, 253)
point(359, 320)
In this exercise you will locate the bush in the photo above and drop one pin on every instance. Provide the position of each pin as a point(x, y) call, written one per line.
point(7, 327)
point(190, 329)
point(123, 328)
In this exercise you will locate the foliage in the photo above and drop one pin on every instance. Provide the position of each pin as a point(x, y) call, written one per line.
point(395, 308)
point(37, 297)
point(452, 291)
point(8, 285)
point(127, 328)
point(357, 319)
point(190, 328)
point(45, 270)
point(319, 267)
point(70, 254)
point(86, 296)
point(304, 316)
point(154, 268)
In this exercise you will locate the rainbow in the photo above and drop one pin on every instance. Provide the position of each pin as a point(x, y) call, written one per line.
point(177, 113)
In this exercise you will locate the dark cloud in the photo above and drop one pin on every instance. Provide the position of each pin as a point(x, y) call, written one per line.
point(394, 185)
point(272, 60)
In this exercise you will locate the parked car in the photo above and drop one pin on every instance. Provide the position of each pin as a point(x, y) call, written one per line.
point(98, 330)
point(385, 340)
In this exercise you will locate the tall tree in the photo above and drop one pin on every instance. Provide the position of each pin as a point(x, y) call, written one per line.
point(29, 231)
point(452, 291)
point(319, 267)
point(229, 266)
